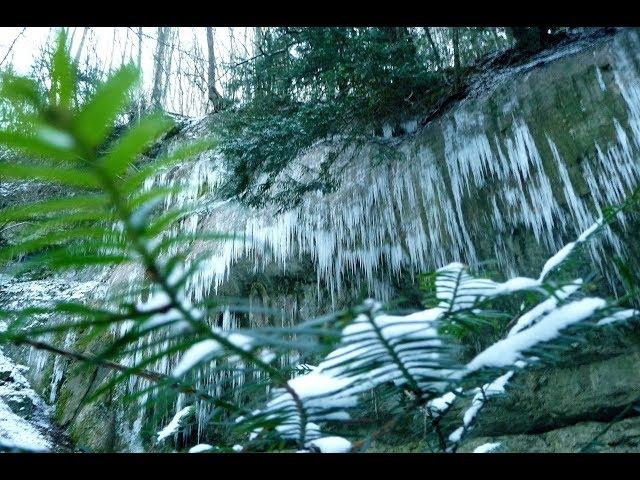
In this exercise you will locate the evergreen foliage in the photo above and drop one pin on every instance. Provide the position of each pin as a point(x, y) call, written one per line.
point(308, 84)
point(106, 218)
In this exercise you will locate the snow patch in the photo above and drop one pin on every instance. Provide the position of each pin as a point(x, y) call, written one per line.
point(176, 422)
point(330, 445)
point(487, 447)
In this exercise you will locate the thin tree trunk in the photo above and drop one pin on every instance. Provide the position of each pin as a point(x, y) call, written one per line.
point(82, 39)
point(73, 34)
point(477, 50)
point(436, 54)
point(12, 45)
point(258, 44)
point(139, 60)
point(139, 64)
point(113, 49)
point(228, 88)
point(258, 40)
point(156, 92)
point(496, 39)
point(171, 39)
point(215, 99)
point(455, 34)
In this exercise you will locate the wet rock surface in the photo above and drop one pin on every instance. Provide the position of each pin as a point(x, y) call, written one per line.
point(554, 398)
point(591, 402)
point(617, 437)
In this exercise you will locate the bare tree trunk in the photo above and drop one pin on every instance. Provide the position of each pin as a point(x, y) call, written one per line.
point(436, 54)
point(251, 89)
point(113, 49)
point(82, 39)
point(455, 35)
point(139, 60)
point(258, 40)
point(140, 105)
point(170, 39)
point(477, 50)
point(215, 98)
point(229, 88)
point(12, 45)
point(156, 92)
point(73, 34)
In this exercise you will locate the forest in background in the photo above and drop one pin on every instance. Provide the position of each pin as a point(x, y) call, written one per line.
point(277, 90)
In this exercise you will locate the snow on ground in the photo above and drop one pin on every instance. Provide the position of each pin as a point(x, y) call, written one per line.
point(24, 417)
point(15, 294)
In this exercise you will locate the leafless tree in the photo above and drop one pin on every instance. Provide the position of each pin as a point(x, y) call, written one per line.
point(156, 92)
point(215, 99)
point(79, 50)
point(11, 46)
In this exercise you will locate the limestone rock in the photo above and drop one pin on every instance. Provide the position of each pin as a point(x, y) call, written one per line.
point(552, 398)
point(622, 437)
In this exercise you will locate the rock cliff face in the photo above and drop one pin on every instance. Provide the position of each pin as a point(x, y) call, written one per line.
point(582, 405)
point(511, 173)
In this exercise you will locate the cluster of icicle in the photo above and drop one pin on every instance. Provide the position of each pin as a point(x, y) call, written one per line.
point(329, 389)
point(410, 214)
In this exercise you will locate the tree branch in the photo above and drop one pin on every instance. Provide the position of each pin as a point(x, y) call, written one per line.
point(12, 45)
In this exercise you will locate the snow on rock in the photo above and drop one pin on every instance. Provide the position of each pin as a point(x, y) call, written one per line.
point(330, 445)
point(24, 417)
point(202, 447)
point(487, 447)
point(43, 293)
point(16, 433)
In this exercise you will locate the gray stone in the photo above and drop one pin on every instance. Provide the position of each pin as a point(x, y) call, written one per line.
point(21, 405)
point(5, 373)
point(551, 398)
point(621, 437)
